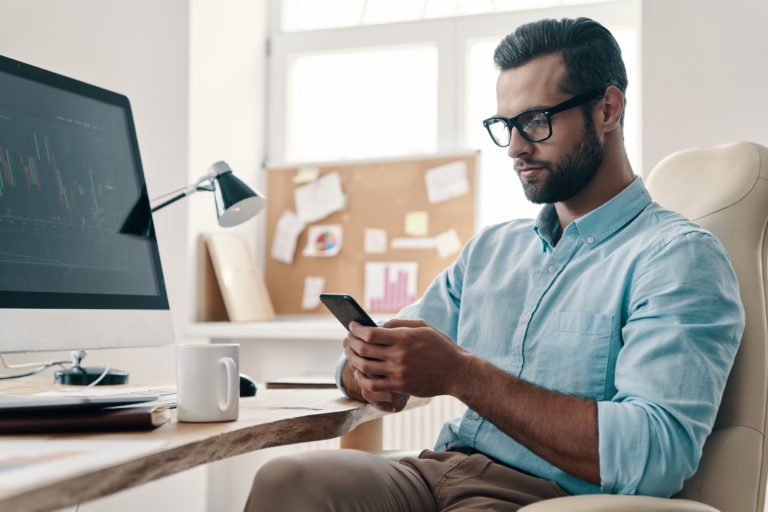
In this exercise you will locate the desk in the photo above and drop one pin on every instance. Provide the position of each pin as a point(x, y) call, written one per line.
point(272, 418)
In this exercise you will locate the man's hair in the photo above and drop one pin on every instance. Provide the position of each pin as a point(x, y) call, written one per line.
point(591, 54)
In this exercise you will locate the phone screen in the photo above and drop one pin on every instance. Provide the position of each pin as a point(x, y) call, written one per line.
point(346, 309)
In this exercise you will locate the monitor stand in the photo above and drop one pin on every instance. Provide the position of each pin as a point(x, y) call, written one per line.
point(79, 375)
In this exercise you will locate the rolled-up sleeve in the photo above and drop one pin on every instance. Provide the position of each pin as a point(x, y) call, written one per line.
point(684, 325)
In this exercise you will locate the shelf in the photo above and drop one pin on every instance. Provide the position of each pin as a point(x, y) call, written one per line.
point(288, 327)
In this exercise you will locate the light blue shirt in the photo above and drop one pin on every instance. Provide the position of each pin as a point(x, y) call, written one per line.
point(635, 307)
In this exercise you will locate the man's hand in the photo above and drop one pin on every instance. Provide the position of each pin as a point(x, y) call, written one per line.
point(412, 357)
point(389, 402)
point(403, 357)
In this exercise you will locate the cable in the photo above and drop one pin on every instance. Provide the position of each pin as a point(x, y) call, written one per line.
point(45, 366)
point(24, 365)
point(101, 377)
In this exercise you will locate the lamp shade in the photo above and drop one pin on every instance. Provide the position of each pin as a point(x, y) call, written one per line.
point(236, 202)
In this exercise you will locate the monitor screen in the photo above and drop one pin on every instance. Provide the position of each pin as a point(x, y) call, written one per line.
point(70, 180)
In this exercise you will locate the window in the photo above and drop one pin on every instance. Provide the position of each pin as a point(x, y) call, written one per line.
point(383, 86)
point(353, 109)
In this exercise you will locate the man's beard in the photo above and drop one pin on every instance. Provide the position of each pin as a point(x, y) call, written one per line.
point(568, 175)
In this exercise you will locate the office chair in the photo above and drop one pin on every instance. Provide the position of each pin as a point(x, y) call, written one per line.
point(724, 189)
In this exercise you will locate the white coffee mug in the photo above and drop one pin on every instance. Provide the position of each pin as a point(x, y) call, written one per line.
point(207, 382)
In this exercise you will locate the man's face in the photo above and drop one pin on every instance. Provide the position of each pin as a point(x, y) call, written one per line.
point(558, 168)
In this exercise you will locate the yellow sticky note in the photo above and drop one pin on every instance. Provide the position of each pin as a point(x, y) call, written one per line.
point(417, 223)
point(306, 175)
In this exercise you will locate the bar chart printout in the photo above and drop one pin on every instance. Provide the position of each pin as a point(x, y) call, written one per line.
point(390, 286)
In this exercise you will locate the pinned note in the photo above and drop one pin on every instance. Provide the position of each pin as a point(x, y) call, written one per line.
point(423, 242)
point(390, 286)
point(446, 182)
point(417, 223)
point(313, 287)
point(447, 243)
point(375, 240)
point(306, 175)
point(317, 200)
point(289, 227)
point(324, 240)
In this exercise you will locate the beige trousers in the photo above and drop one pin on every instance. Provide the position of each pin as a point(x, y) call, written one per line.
point(349, 480)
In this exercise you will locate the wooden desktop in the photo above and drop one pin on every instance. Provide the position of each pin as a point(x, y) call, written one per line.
point(274, 417)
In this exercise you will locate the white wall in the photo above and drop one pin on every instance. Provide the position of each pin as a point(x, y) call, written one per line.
point(138, 48)
point(705, 74)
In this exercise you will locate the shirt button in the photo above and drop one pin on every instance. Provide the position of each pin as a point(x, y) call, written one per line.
point(524, 319)
point(590, 239)
point(475, 416)
point(552, 268)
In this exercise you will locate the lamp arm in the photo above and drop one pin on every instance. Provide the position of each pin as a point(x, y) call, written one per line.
point(184, 192)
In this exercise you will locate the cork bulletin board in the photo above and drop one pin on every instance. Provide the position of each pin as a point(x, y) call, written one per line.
point(379, 195)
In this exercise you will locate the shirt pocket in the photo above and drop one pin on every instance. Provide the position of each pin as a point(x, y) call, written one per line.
point(572, 353)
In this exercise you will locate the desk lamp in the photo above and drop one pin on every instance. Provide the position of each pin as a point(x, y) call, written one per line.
point(235, 204)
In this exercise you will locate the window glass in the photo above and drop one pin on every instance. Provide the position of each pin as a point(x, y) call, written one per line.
point(500, 192)
point(319, 14)
point(445, 8)
point(298, 15)
point(389, 11)
point(360, 104)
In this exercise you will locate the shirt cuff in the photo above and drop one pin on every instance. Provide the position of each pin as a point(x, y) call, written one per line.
point(337, 374)
point(622, 463)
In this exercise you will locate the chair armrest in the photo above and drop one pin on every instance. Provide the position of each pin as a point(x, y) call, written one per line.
point(616, 503)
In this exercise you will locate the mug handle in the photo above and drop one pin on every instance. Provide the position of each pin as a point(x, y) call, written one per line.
point(229, 366)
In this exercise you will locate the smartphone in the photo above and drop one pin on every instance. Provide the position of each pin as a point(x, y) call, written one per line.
point(346, 309)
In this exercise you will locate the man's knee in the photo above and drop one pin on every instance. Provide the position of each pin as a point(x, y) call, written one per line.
point(277, 482)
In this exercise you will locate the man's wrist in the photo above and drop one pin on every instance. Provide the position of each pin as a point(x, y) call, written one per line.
point(464, 378)
point(350, 383)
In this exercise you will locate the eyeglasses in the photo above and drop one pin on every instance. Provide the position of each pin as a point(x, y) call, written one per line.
point(535, 124)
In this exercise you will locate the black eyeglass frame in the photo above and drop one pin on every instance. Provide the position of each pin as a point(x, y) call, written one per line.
point(511, 122)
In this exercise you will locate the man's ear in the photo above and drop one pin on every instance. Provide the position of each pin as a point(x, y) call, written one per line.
point(609, 110)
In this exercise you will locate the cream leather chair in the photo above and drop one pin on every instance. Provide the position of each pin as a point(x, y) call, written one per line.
point(725, 190)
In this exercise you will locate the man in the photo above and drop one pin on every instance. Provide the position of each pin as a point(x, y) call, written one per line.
point(591, 346)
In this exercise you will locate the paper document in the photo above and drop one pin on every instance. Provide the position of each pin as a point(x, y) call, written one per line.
point(289, 227)
point(313, 287)
point(446, 182)
point(317, 200)
point(375, 240)
point(389, 286)
point(413, 243)
point(324, 240)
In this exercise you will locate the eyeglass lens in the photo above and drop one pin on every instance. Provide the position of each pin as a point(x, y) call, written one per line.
point(533, 125)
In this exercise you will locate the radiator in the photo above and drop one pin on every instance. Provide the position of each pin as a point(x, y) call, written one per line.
point(414, 429)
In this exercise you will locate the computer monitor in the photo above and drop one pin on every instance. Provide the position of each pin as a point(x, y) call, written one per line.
point(70, 175)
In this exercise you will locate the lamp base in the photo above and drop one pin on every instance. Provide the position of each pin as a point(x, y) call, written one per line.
point(80, 376)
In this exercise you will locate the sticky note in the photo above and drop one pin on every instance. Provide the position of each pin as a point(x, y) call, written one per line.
point(306, 175)
point(447, 243)
point(417, 223)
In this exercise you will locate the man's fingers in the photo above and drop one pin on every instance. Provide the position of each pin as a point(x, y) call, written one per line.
point(403, 322)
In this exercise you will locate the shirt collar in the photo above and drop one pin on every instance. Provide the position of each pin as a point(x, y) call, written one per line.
point(600, 223)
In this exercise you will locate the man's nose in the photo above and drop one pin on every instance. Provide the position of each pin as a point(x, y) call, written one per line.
point(519, 146)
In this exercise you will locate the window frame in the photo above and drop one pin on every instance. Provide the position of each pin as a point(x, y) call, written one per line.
point(451, 36)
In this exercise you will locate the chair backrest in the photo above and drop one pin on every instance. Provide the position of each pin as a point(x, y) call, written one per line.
point(724, 189)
